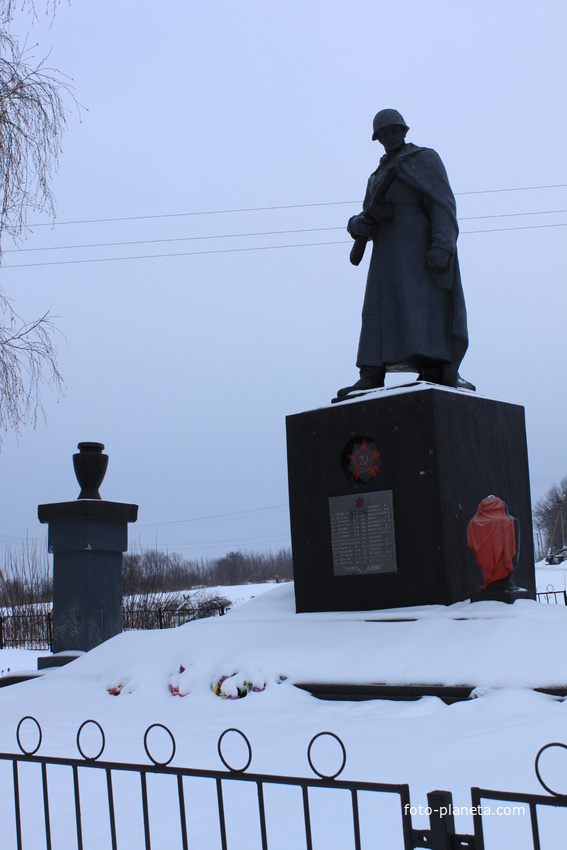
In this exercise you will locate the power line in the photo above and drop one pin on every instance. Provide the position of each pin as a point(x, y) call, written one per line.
point(211, 518)
point(180, 254)
point(265, 209)
point(174, 239)
point(222, 544)
point(505, 229)
point(511, 215)
point(248, 234)
point(187, 214)
point(176, 525)
point(513, 189)
point(248, 249)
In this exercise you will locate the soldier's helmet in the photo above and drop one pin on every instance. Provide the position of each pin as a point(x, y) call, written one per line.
point(386, 118)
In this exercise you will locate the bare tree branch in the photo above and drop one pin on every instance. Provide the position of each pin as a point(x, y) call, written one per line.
point(28, 361)
point(32, 122)
point(9, 7)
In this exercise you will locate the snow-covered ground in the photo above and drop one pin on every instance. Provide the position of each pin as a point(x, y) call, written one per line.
point(170, 677)
point(17, 660)
point(551, 576)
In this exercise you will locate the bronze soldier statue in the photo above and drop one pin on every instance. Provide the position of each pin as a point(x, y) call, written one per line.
point(414, 317)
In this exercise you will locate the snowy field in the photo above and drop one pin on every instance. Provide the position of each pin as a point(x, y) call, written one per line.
point(190, 679)
point(550, 576)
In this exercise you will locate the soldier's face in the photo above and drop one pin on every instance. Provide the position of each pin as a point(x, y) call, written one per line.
point(392, 138)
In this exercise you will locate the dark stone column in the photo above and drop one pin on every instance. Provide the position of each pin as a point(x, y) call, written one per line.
point(382, 489)
point(87, 538)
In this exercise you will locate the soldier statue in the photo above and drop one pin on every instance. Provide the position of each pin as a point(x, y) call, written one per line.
point(414, 317)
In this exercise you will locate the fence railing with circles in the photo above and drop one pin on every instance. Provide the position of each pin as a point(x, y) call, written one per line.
point(95, 802)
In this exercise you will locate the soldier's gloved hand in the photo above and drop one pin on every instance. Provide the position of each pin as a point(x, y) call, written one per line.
point(438, 259)
point(360, 225)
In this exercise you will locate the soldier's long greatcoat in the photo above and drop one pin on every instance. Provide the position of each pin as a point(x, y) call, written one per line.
point(413, 316)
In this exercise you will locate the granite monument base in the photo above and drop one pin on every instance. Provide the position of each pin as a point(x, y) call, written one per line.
point(87, 538)
point(382, 488)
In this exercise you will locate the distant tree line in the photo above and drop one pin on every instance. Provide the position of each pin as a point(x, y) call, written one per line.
point(550, 519)
point(149, 571)
point(25, 575)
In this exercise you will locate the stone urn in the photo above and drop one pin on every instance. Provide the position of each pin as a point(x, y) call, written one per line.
point(90, 468)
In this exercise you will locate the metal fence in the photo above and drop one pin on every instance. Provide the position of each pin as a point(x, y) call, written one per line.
point(67, 803)
point(553, 597)
point(27, 630)
point(34, 630)
point(541, 835)
point(166, 617)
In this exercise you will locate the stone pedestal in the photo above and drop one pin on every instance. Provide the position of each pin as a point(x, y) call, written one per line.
point(87, 538)
point(381, 491)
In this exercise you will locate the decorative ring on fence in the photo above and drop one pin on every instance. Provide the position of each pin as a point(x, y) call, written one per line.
point(173, 745)
point(103, 740)
point(549, 589)
point(312, 766)
point(222, 758)
point(40, 736)
point(538, 774)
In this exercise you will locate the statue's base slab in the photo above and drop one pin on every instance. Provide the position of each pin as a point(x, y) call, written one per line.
point(59, 659)
point(382, 489)
point(449, 694)
point(501, 591)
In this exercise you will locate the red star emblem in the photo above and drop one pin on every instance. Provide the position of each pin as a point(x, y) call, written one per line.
point(364, 463)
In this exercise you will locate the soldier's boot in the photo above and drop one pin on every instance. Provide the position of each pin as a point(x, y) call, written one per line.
point(431, 374)
point(463, 384)
point(446, 376)
point(371, 377)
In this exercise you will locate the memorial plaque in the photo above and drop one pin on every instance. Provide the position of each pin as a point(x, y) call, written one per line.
point(362, 534)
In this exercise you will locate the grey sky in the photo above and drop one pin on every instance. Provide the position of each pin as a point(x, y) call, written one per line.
point(186, 365)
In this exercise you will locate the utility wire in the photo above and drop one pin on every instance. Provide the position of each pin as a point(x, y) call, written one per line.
point(251, 248)
point(226, 545)
point(186, 214)
point(265, 209)
point(510, 215)
point(176, 525)
point(211, 518)
point(248, 234)
point(505, 229)
point(513, 189)
point(175, 239)
point(180, 254)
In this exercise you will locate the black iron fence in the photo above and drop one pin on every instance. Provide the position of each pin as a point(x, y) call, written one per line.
point(26, 630)
point(553, 597)
point(165, 617)
point(67, 803)
point(34, 630)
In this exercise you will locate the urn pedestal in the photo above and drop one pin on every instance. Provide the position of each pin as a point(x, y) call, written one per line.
point(87, 538)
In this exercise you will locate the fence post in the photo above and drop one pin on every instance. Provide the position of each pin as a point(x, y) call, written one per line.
point(1, 632)
point(441, 820)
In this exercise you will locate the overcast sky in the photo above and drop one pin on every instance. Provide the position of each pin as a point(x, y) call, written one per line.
point(184, 353)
